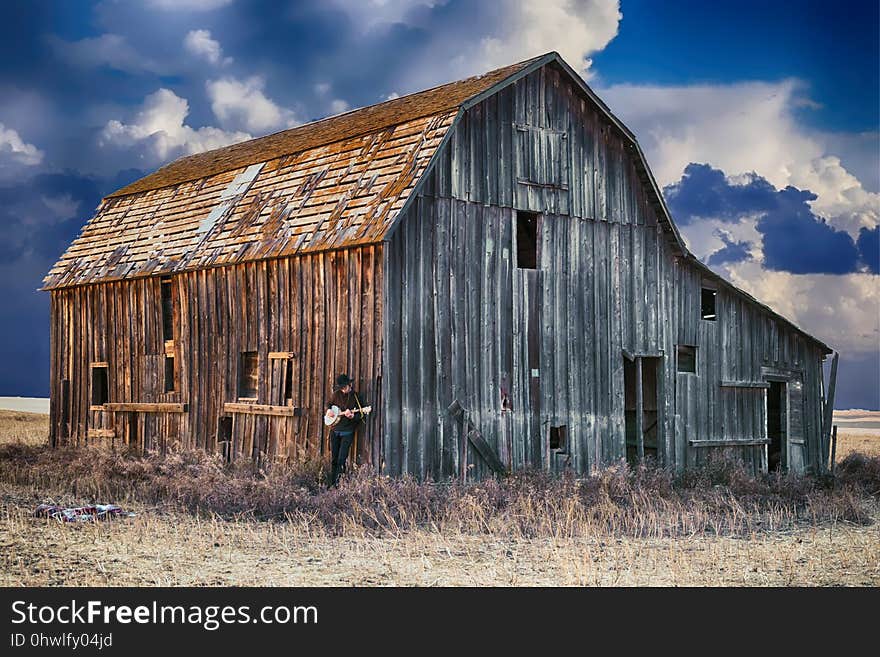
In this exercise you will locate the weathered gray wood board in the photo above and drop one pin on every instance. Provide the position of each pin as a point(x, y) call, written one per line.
point(610, 280)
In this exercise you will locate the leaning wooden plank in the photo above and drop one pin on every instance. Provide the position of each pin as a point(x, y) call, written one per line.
point(148, 407)
point(486, 451)
point(454, 408)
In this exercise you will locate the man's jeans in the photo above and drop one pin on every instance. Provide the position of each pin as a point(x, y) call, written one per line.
point(339, 446)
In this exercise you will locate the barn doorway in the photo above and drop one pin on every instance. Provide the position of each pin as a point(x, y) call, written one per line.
point(641, 407)
point(777, 426)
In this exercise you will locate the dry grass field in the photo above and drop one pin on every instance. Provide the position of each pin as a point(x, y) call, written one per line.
point(193, 526)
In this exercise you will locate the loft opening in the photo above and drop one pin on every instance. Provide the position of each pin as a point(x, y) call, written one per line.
point(527, 240)
point(708, 303)
point(247, 375)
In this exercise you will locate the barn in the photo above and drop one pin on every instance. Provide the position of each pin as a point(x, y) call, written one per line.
point(491, 260)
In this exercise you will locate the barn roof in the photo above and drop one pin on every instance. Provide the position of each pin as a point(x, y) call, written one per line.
point(335, 182)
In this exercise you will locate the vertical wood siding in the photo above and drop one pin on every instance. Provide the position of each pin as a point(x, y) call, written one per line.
point(324, 308)
point(462, 316)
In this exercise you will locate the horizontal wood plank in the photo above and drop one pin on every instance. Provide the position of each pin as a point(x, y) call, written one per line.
point(145, 407)
point(261, 409)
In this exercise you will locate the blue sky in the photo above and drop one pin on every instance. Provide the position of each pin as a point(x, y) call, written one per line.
point(760, 120)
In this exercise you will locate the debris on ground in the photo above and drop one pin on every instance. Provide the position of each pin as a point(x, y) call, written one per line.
point(90, 513)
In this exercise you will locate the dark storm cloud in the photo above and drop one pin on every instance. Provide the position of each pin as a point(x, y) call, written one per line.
point(705, 192)
point(794, 239)
point(797, 241)
point(869, 248)
point(43, 215)
point(732, 251)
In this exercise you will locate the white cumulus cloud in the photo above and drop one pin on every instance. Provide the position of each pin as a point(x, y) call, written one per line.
point(200, 44)
point(574, 28)
point(338, 106)
point(740, 128)
point(17, 151)
point(159, 132)
point(242, 103)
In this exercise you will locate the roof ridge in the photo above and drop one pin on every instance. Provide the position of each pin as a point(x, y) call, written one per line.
point(175, 172)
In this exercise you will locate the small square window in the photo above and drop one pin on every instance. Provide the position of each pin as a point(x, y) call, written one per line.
point(247, 375)
point(558, 438)
point(708, 298)
point(687, 359)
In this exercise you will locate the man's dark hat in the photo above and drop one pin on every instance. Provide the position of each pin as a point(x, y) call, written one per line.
point(342, 380)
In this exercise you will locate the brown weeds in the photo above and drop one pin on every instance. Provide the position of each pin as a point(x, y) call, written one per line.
point(718, 499)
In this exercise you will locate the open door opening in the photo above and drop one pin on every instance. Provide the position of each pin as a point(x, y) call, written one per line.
point(133, 438)
point(224, 437)
point(640, 408)
point(777, 426)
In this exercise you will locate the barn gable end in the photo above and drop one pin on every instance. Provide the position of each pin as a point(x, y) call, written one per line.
point(537, 353)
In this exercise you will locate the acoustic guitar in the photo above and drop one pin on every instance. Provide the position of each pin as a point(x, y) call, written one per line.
point(333, 415)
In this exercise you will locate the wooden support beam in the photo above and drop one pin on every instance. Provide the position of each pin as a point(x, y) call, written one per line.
point(262, 409)
point(632, 355)
point(640, 412)
point(281, 355)
point(745, 384)
point(101, 433)
point(829, 414)
point(728, 443)
point(145, 407)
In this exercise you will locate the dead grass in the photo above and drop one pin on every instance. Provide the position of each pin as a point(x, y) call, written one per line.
point(857, 442)
point(21, 427)
point(198, 524)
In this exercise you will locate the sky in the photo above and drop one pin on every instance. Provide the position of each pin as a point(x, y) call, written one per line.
point(760, 121)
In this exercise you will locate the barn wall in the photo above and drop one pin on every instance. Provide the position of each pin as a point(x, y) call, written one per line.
point(298, 305)
point(464, 323)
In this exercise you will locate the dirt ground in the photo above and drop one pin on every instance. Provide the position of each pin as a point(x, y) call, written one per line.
point(161, 547)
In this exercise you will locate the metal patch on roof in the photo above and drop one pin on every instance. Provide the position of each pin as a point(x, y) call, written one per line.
point(234, 191)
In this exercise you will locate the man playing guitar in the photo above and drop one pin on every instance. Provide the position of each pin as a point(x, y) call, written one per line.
point(345, 412)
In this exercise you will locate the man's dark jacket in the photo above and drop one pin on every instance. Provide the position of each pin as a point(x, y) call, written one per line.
point(346, 401)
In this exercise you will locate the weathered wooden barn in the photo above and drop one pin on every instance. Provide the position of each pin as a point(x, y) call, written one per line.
point(491, 260)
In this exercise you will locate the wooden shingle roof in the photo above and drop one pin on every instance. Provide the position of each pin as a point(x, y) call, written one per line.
point(333, 183)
